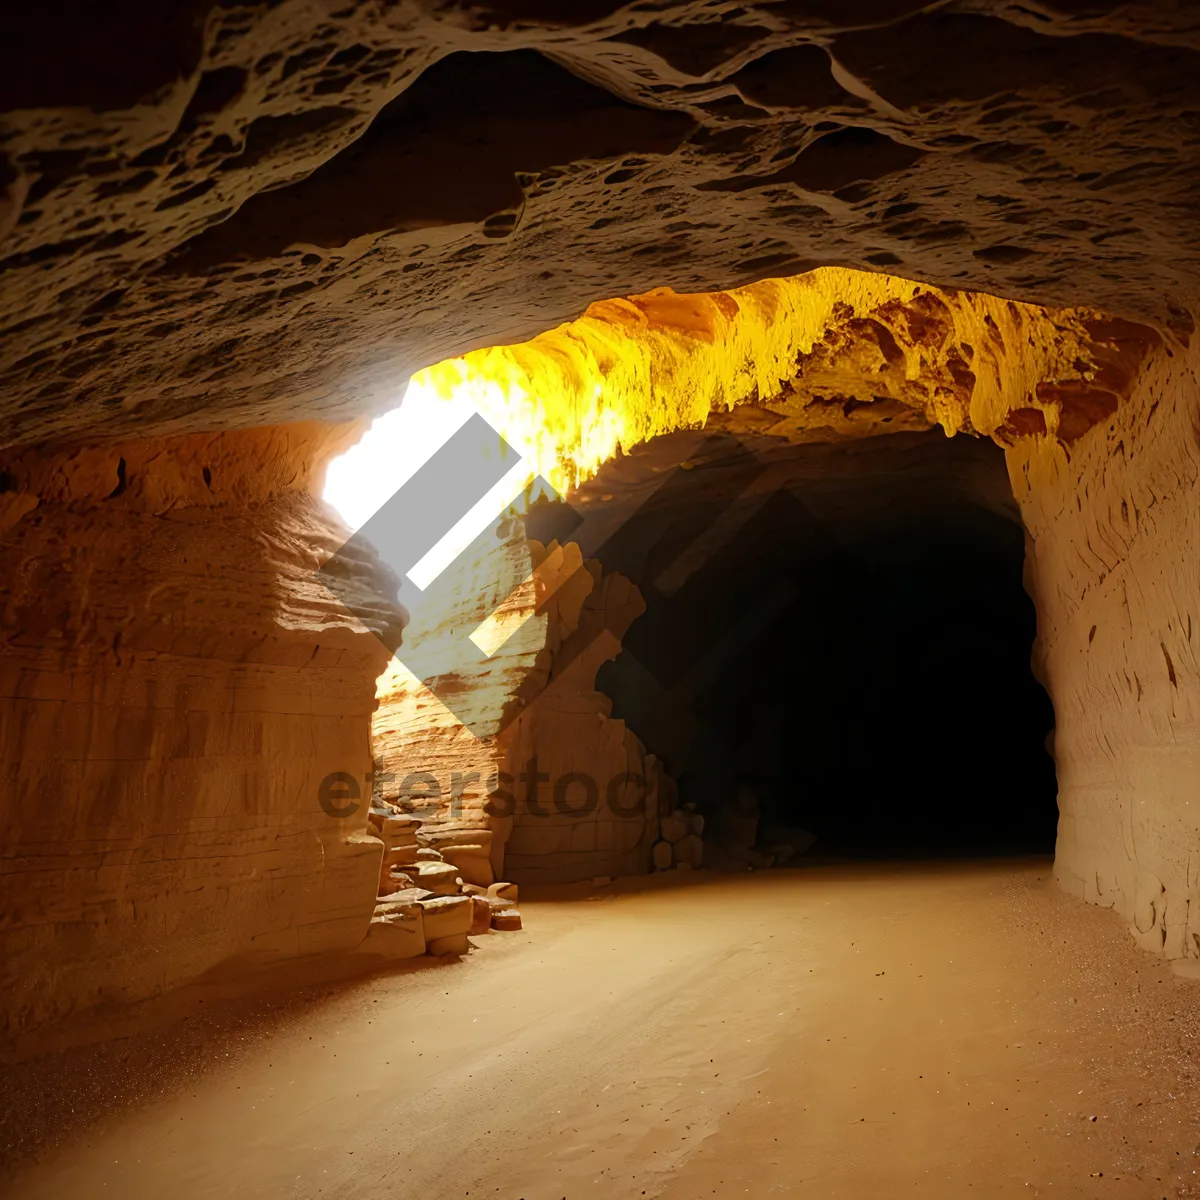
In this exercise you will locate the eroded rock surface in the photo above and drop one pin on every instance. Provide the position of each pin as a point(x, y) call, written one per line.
point(1115, 578)
point(218, 215)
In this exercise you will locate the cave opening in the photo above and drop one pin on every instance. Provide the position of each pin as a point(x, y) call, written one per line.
point(852, 664)
point(791, 626)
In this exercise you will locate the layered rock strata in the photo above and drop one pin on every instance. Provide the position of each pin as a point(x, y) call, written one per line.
point(824, 356)
point(178, 697)
point(585, 794)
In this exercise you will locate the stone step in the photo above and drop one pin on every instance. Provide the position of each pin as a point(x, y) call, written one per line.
point(439, 877)
point(445, 916)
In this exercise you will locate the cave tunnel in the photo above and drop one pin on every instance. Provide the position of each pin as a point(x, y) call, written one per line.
point(599, 599)
point(854, 660)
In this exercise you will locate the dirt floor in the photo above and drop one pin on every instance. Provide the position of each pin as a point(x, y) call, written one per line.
point(877, 1032)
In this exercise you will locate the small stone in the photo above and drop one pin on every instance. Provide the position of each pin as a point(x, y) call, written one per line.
point(445, 916)
point(472, 862)
point(675, 826)
point(662, 855)
point(400, 856)
point(437, 877)
point(395, 932)
point(395, 881)
point(690, 850)
point(508, 921)
point(602, 881)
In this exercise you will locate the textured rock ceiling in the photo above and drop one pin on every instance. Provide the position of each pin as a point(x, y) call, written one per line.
point(830, 355)
point(221, 214)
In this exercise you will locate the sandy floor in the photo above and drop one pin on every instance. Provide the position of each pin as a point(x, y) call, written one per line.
point(865, 1032)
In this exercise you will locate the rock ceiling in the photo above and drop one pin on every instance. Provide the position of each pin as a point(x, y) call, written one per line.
point(830, 355)
point(228, 214)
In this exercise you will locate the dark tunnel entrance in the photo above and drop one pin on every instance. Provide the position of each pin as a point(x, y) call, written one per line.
point(909, 723)
point(836, 646)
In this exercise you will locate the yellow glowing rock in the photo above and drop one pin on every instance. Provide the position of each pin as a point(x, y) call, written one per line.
point(832, 339)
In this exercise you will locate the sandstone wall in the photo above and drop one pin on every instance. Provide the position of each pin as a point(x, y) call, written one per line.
point(1114, 566)
point(174, 687)
point(596, 807)
point(532, 706)
point(435, 747)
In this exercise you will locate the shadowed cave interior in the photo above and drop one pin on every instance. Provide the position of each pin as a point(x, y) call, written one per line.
point(853, 662)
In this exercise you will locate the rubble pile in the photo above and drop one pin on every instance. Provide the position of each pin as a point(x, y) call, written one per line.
point(436, 889)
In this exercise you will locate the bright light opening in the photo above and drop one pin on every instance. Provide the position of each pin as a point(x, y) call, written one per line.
point(394, 448)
